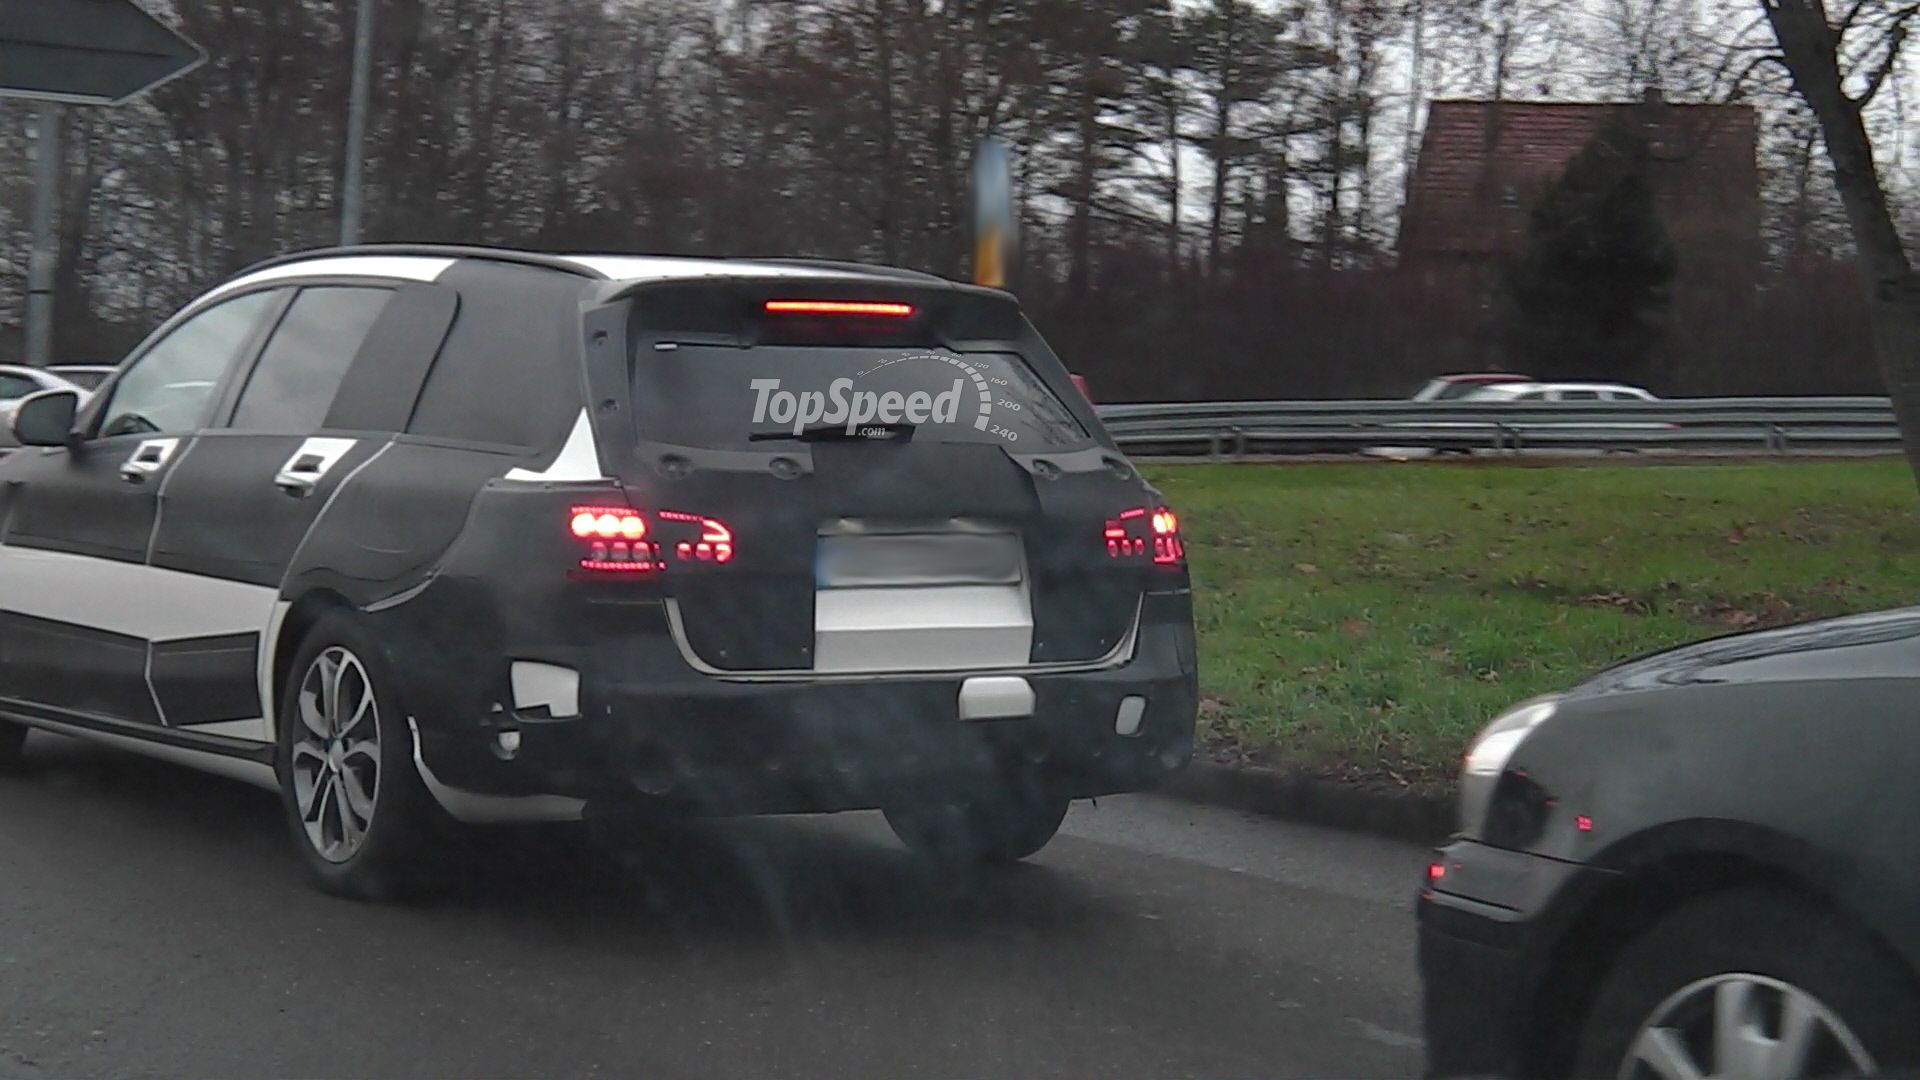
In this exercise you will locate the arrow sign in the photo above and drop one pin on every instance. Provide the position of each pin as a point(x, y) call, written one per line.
point(88, 52)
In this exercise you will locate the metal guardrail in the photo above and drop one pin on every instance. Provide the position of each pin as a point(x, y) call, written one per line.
point(1781, 425)
point(1773, 425)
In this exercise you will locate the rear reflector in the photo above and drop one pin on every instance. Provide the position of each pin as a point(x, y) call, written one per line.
point(887, 309)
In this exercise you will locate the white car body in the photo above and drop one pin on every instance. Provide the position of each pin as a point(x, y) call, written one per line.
point(1529, 392)
point(17, 381)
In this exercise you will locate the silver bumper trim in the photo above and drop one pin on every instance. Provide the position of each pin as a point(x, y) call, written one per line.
point(1121, 654)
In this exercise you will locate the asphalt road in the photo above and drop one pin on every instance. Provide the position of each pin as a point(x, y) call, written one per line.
point(154, 922)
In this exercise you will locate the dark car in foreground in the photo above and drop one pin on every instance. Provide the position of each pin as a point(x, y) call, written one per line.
point(1699, 863)
point(414, 533)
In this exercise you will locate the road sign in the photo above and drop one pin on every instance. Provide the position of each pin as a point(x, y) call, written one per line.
point(87, 52)
point(82, 52)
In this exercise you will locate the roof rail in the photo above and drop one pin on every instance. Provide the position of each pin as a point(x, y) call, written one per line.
point(847, 264)
point(441, 251)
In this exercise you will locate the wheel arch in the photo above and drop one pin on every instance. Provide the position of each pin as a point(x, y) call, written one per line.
point(299, 619)
point(1653, 874)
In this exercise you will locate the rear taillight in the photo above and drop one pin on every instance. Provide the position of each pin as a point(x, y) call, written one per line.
point(615, 539)
point(1142, 533)
point(714, 542)
point(1167, 547)
point(622, 540)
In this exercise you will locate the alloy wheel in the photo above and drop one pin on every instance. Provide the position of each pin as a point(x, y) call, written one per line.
point(1747, 1026)
point(336, 754)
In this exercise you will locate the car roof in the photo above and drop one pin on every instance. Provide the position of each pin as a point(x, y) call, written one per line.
point(426, 262)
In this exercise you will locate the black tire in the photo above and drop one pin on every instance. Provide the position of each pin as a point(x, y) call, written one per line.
point(1756, 932)
point(13, 740)
point(388, 861)
point(980, 827)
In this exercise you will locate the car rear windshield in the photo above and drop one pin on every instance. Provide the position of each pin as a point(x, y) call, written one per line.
point(722, 397)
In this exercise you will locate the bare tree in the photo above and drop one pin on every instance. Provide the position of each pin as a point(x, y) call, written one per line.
point(1825, 57)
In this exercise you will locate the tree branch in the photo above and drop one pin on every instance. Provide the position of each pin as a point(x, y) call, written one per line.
point(1896, 37)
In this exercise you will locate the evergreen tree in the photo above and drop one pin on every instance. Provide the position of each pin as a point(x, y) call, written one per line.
point(1589, 291)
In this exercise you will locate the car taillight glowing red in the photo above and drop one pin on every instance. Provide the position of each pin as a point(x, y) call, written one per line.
point(1133, 532)
point(615, 538)
point(884, 308)
point(715, 543)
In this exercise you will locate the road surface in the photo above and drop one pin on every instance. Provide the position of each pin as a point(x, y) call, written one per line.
point(154, 922)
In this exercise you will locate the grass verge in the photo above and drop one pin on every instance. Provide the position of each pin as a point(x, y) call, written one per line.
point(1363, 621)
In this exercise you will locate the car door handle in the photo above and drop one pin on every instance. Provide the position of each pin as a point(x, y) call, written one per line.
point(146, 460)
point(300, 475)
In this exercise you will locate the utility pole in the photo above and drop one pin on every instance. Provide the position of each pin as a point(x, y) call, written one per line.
point(40, 263)
point(352, 195)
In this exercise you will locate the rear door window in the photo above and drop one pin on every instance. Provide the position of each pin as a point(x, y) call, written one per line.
point(1579, 395)
point(292, 386)
point(723, 397)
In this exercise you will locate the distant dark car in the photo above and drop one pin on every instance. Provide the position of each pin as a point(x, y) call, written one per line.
point(1700, 863)
point(416, 533)
point(1452, 387)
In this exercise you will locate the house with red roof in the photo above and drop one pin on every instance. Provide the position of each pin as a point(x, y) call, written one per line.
point(1482, 164)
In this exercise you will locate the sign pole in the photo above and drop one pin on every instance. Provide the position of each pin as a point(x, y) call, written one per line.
point(46, 181)
point(353, 183)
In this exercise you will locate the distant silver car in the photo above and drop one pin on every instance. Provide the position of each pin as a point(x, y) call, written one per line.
point(1524, 393)
point(1455, 387)
point(85, 376)
point(1558, 391)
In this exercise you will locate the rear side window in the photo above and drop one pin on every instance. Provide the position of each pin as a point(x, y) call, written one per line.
point(509, 372)
point(722, 397)
point(294, 382)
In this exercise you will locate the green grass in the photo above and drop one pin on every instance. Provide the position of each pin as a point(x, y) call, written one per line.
point(1365, 620)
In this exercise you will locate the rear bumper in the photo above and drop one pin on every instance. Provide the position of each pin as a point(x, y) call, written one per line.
point(653, 731)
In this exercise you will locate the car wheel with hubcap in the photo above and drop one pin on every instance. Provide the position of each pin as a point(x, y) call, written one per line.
point(357, 809)
point(1750, 984)
point(979, 827)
